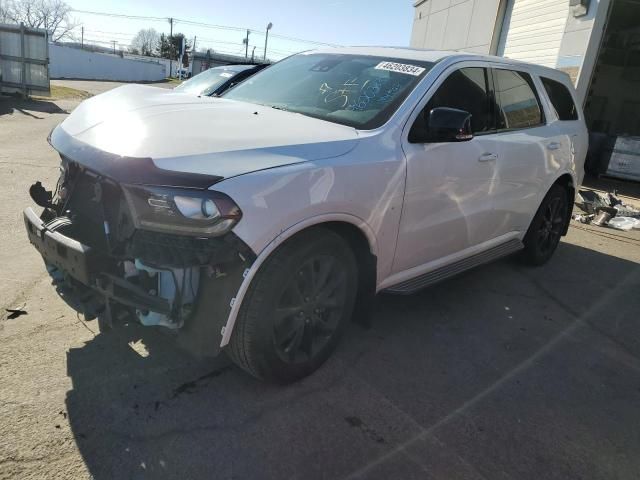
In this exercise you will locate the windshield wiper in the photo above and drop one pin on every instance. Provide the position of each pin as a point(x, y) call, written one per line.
point(278, 107)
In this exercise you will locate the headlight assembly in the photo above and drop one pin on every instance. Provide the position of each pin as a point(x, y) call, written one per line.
point(182, 210)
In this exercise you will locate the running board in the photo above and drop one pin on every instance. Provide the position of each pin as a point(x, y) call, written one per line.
point(442, 273)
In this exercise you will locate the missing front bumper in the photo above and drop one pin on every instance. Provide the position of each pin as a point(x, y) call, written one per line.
point(87, 267)
point(96, 280)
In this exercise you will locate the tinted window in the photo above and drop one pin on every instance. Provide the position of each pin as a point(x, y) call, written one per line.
point(237, 79)
point(465, 89)
point(207, 82)
point(518, 106)
point(560, 99)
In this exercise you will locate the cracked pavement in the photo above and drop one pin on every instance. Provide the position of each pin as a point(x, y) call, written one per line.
point(505, 372)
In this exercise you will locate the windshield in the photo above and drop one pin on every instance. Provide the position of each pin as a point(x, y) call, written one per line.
point(359, 91)
point(207, 82)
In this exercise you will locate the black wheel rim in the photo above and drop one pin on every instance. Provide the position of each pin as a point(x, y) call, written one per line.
point(551, 225)
point(308, 312)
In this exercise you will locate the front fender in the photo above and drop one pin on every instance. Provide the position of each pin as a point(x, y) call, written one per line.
point(251, 272)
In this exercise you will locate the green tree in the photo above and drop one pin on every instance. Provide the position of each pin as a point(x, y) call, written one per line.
point(170, 47)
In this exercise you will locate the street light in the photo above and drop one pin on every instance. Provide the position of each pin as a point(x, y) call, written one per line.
point(266, 38)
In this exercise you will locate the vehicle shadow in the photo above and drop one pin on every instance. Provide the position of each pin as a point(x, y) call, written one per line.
point(438, 357)
point(11, 104)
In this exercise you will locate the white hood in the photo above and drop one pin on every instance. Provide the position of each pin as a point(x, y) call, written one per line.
point(214, 136)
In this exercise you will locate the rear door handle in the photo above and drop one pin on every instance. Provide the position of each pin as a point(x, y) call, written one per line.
point(488, 157)
point(553, 146)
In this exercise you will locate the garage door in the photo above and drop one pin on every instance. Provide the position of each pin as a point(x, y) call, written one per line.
point(532, 30)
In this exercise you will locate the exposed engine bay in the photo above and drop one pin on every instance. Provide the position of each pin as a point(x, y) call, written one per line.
point(119, 250)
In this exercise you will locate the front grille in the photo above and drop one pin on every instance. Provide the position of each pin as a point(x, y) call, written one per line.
point(180, 251)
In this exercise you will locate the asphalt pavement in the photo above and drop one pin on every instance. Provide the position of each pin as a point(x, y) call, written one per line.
point(505, 372)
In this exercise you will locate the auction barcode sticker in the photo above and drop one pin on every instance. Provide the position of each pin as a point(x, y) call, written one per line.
point(400, 68)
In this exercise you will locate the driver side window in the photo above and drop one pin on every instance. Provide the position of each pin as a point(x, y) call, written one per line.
point(465, 89)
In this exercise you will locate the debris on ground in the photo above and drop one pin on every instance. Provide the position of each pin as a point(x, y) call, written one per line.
point(583, 218)
point(625, 223)
point(603, 215)
point(606, 210)
point(14, 313)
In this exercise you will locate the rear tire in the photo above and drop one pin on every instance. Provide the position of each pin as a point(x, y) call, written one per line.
point(296, 308)
point(547, 227)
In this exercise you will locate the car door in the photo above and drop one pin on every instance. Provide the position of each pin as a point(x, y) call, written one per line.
point(448, 198)
point(528, 151)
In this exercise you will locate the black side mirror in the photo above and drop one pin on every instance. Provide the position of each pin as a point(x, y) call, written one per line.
point(449, 125)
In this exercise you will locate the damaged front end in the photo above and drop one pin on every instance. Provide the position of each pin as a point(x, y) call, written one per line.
point(124, 239)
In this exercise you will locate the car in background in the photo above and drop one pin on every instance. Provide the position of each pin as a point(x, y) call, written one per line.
point(217, 80)
point(182, 73)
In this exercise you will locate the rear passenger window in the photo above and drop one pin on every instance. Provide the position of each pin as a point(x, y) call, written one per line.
point(560, 99)
point(518, 105)
point(465, 89)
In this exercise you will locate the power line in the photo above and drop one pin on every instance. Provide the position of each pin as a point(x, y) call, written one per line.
point(204, 25)
point(218, 41)
point(120, 15)
point(284, 37)
point(109, 33)
point(102, 41)
point(124, 38)
point(208, 25)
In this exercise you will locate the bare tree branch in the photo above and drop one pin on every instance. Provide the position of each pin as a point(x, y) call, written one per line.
point(51, 15)
point(145, 42)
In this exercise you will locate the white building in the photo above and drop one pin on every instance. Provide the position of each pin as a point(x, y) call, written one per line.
point(597, 42)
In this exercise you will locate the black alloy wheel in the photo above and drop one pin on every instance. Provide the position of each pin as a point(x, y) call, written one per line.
point(552, 224)
point(309, 310)
point(296, 307)
point(547, 227)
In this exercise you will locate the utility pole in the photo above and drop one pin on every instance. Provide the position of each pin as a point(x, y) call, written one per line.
point(114, 46)
point(193, 54)
point(82, 39)
point(266, 38)
point(253, 53)
point(170, 46)
point(246, 45)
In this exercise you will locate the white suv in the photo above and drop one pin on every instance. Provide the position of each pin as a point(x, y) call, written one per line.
point(263, 221)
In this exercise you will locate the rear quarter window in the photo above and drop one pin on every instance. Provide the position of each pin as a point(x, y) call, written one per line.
point(561, 99)
point(518, 105)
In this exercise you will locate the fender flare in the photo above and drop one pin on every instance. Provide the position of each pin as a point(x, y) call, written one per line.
point(250, 273)
point(544, 192)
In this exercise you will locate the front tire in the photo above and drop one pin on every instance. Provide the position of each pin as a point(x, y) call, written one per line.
point(296, 308)
point(547, 227)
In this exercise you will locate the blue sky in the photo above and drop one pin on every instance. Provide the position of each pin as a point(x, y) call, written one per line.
point(343, 22)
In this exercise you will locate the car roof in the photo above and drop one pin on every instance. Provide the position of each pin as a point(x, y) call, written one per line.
point(235, 68)
point(425, 55)
point(417, 54)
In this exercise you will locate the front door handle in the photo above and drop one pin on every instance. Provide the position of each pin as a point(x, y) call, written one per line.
point(488, 157)
point(553, 146)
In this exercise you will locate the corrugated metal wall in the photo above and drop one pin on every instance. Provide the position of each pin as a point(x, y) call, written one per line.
point(35, 55)
point(533, 29)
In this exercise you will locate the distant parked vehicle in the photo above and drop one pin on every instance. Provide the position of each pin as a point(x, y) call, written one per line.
point(217, 80)
point(182, 73)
